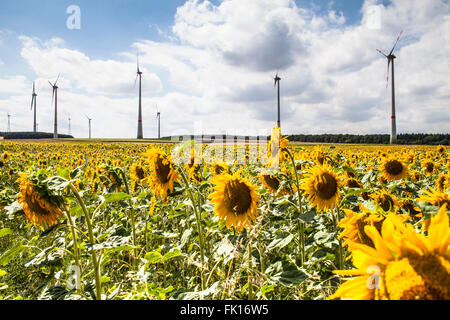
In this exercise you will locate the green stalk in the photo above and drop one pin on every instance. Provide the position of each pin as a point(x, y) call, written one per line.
point(133, 223)
point(74, 238)
point(340, 250)
point(300, 224)
point(250, 285)
point(199, 227)
point(98, 283)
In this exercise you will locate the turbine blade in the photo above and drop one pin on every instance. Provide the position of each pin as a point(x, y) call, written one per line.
point(50, 83)
point(57, 78)
point(387, 74)
point(32, 100)
point(382, 53)
point(33, 87)
point(135, 81)
point(398, 38)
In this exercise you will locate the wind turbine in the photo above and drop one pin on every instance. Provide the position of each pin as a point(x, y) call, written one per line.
point(158, 116)
point(33, 104)
point(9, 123)
point(55, 96)
point(69, 126)
point(391, 58)
point(139, 74)
point(277, 80)
point(89, 125)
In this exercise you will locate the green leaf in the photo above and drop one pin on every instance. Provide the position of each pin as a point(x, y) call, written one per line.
point(5, 232)
point(280, 242)
point(117, 196)
point(172, 254)
point(10, 254)
point(153, 257)
point(64, 173)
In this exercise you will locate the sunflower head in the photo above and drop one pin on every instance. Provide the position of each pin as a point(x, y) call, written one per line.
point(321, 186)
point(393, 169)
point(41, 206)
point(162, 172)
point(385, 200)
point(442, 182)
point(435, 197)
point(404, 263)
point(235, 200)
point(428, 167)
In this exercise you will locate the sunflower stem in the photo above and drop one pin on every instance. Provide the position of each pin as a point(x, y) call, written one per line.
point(199, 227)
point(340, 249)
point(300, 223)
point(74, 239)
point(92, 240)
point(250, 286)
point(132, 217)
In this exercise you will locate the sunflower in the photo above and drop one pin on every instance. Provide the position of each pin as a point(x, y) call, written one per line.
point(353, 225)
point(272, 183)
point(275, 146)
point(428, 167)
point(442, 182)
point(162, 173)
point(321, 187)
point(5, 157)
point(393, 169)
point(235, 200)
point(403, 265)
point(435, 197)
point(40, 210)
point(385, 200)
point(415, 175)
point(219, 168)
point(409, 207)
point(352, 183)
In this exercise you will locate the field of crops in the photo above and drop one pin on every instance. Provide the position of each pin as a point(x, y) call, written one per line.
point(128, 221)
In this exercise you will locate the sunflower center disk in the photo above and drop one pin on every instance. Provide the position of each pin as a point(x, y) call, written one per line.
point(162, 170)
point(140, 173)
point(386, 203)
point(272, 182)
point(237, 197)
point(418, 278)
point(394, 167)
point(326, 186)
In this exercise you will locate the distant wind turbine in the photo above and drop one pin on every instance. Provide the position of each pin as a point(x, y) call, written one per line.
point(391, 58)
point(69, 126)
point(158, 116)
point(9, 123)
point(55, 96)
point(277, 80)
point(89, 125)
point(33, 104)
point(140, 134)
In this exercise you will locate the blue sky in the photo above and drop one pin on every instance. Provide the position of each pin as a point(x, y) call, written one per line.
point(332, 78)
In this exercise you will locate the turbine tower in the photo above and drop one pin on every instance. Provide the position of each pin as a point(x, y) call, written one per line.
point(139, 74)
point(9, 123)
point(89, 125)
point(391, 58)
point(277, 80)
point(158, 116)
point(69, 126)
point(33, 104)
point(55, 96)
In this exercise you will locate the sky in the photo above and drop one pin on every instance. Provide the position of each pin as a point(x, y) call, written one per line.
point(208, 66)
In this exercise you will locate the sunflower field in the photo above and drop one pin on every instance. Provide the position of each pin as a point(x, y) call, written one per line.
point(127, 221)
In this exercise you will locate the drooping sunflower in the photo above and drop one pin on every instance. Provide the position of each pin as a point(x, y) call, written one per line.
point(393, 169)
point(403, 265)
point(39, 206)
point(235, 200)
point(137, 175)
point(272, 183)
point(321, 187)
point(442, 182)
point(435, 197)
point(275, 146)
point(410, 208)
point(353, 225)
point(162, 172)
point(385, 200)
